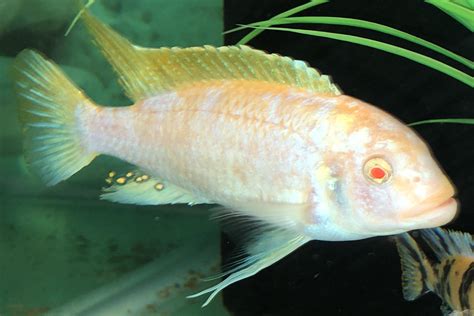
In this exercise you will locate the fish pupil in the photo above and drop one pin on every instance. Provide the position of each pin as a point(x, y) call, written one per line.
point(377, 173)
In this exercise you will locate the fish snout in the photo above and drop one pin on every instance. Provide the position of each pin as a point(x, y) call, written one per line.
point(438, 209)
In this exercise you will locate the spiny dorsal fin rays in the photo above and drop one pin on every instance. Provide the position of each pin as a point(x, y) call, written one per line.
point(145, 72)
point(119, 52)
point(135, 187)
point(445, 243)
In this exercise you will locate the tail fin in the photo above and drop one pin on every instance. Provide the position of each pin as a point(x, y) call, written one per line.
point(416, 269)
point(49, 104)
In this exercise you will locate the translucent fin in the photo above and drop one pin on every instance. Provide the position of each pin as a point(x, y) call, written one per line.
point(135, 187)
point(145, 72)
point(264, 249)
point(48, 107)
point(447, 243)
point(286, 215)
point(416, 270)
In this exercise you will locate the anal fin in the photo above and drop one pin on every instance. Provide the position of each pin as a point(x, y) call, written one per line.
point(134, 187)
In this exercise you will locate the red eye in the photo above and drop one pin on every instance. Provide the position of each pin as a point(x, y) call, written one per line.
point(377, 173)
point(377, 170)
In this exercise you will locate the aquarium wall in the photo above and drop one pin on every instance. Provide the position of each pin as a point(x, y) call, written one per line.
point(63, 251)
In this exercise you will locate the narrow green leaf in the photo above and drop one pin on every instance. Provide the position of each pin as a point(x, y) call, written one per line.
point(78, 15)
point(469, 121)
point(465, 3)
point(463, 13)
point(422, 59)
point(285, 14)
point(366, 25)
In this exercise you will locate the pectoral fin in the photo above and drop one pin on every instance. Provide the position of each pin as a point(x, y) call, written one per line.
point(417, 273)
point(266, 246)
point(137, 188)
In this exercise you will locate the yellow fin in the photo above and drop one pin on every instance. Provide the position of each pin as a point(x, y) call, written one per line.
point(48, 112)
point(135, 187)
point(145, 72)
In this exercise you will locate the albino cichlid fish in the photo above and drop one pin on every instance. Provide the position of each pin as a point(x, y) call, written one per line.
point(265, 136)
point(451, 278)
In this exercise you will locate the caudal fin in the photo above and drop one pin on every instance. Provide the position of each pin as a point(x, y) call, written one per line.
point(417, 273)
point(49, 107)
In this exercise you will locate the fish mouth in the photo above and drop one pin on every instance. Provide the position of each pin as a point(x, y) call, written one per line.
point(435, 211)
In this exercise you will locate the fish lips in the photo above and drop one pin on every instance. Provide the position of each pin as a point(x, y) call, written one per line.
point(437, 210)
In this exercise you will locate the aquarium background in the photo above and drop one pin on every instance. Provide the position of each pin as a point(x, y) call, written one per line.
point(63, 251)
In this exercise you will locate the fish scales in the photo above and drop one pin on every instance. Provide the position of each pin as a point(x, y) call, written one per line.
point(252, 139)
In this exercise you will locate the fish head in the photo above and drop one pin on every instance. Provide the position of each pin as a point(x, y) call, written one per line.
point(381, 177)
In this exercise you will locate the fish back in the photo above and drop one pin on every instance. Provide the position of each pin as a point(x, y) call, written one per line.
point(146, 72)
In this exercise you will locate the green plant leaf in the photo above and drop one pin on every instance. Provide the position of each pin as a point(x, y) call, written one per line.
point(82, 8)
point(285, 14)
point(422, 59)
point(461, 10)
point(361, 24)
point(469, 121)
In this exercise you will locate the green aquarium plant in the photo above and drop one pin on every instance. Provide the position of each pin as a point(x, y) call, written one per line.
point(359, 24)
point(461, 10)
point(450, 120)
point(285, 18)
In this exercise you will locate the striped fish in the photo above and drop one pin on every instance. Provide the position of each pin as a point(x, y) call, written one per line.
point(451, 278)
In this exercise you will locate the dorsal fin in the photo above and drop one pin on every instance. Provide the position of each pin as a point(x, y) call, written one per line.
point(145, 72)
point(448, 243)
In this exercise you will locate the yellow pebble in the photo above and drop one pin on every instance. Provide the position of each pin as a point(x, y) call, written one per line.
point(129, 174)
point(145, 177)
point(121, 180)
point(109, 180)
point(159, 186)
point(112, 174)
